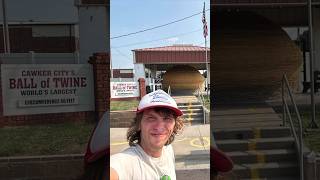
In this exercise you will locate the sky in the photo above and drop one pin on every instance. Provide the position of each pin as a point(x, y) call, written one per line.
point(128, 16)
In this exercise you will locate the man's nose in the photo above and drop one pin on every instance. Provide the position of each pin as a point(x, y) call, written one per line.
point(159, 125)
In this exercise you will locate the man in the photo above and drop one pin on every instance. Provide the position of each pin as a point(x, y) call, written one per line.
point(150, 155)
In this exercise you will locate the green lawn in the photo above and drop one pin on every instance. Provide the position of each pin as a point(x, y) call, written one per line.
point(124, 105)
point(312, 136)
point(50, 139)
point(207, 101)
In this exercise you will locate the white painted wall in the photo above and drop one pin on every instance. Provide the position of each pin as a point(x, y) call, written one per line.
point(122, 80)
point(93, 31)
point(39, 58)
point(33, 11)
point(139, 71)
point(53, 31)
point(91, 22)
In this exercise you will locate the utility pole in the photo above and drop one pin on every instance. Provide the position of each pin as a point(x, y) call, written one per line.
point(5, 29)
point(313, 123)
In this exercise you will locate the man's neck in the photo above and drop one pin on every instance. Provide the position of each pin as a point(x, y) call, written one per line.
point(152, 152)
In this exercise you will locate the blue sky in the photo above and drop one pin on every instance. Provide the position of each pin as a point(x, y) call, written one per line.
point(127, 16)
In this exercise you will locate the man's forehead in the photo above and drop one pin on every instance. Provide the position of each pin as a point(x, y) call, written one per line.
point(148, 111)
point(162, 112)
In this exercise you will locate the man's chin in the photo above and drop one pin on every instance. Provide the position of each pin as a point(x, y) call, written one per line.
point(159, 144)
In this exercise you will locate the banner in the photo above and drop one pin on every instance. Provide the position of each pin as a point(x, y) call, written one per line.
point(124, 89)
point(46, 88)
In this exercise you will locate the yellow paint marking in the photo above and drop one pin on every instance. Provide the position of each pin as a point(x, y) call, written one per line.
point(261, 158)
point(252, 145)
point(254, 173)
point(205, 142)
point(190, 112)
point(179, 140)
point(257, 133)
point(119, 143)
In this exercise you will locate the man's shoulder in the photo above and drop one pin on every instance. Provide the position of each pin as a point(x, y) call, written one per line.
point(130, 153)
point(168, 151)
point(123, 162)
point(168, 148)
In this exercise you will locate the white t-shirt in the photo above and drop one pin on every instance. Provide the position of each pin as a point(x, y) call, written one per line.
point(134, 164)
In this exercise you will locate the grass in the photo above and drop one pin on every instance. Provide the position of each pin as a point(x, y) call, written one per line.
point(123, 105)
point(53, 139)
point(207, 101)
point(312, 136)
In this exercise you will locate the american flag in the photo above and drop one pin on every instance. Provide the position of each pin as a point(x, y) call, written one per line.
point(205, 27)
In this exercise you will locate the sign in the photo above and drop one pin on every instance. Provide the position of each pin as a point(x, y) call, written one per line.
point(46, 88)
point(124, 89)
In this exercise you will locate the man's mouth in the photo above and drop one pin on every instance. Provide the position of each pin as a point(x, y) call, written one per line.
point(158, 134)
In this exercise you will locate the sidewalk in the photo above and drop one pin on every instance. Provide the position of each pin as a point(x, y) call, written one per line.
point(192, 146)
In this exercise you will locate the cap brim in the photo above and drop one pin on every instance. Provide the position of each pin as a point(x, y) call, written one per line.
point(220, 161)
point(177, 111)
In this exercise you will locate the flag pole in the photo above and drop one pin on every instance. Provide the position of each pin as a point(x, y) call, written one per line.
point(111, 69)
point(205, 33)
point(208, 73)
point(313, 123)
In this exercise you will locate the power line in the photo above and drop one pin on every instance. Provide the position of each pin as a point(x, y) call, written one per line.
point(144, 42)
point(122, 54)
point(124, 35)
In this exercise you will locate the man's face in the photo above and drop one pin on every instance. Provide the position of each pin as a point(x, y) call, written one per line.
point(156, 128)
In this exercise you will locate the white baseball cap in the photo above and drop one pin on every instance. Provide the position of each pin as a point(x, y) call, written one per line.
point(158, 98)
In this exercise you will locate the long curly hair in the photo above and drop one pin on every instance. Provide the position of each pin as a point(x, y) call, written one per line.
point(133, 134)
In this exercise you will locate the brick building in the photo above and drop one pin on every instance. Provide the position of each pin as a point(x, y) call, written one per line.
point(152, 63)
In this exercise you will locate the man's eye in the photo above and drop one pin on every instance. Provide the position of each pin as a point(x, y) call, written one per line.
point(151, 118)
point(168, 119)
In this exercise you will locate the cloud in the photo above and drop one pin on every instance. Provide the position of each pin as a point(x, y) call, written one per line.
point(172, 40)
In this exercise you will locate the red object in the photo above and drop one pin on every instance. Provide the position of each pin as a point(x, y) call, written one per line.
point(220, 161)
point(174, 54)
point(142, 87)
point(98, 145)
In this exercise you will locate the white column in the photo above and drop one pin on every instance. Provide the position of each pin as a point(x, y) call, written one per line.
point(139, 71)
point(316, 38)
